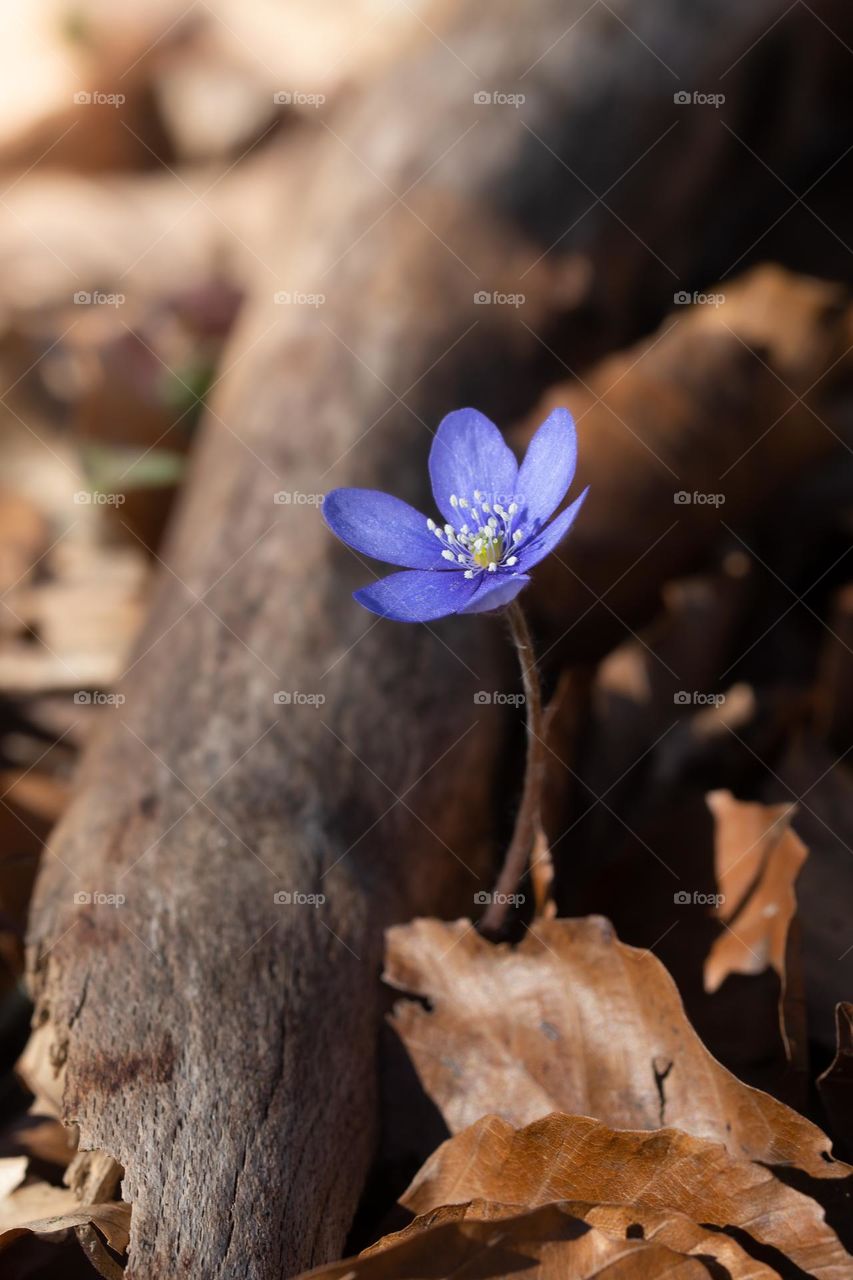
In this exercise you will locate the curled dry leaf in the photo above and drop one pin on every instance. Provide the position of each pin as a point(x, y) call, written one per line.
point(757, 858)
point(39, 1137)
point(573, 1157)
point(548, 1243)
point(527, 1030)
point(112, 1221)
point(622, 1222)
point(87, 1206)
point(836, 1083)
point(52, 1213)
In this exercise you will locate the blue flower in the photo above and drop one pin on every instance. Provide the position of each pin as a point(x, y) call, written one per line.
point(496, 520)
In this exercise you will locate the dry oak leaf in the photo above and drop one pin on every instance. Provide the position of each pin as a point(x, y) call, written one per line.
point(575, 1158)
point(621, 1221)
point(757, 858)
point(547, 1243)
point(573, 1020)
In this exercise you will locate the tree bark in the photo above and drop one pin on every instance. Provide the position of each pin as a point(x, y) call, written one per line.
point(220, 1044)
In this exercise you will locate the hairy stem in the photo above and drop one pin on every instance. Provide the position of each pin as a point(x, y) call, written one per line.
point(518, 853)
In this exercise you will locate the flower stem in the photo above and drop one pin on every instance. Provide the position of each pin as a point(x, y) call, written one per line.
point(527, 821)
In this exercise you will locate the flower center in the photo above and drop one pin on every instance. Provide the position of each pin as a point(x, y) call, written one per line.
point(483, 536)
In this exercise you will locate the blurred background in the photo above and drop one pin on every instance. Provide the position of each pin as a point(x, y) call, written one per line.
point(666, 189)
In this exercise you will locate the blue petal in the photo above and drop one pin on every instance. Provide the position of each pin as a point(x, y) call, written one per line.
point(469, 453)
point(548, 467)
point(537, 548)
point(382, 527)
point(417, 595)
point(495, 591)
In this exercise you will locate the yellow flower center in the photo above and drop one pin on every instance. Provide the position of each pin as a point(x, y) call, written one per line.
point(490, 552)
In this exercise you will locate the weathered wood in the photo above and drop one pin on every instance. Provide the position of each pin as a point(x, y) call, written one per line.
point(218, 1045)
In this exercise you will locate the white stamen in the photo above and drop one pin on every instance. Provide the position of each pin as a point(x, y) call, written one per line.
point(483, 544)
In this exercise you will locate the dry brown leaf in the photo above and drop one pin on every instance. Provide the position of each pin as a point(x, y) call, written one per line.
point(620, 1221)
point(573, 1020)
point(41, 1067)
point(112, 1220)
point(836, 1083)
point(24, 536)
point(40, 1209)
point(573, 1157)
point(757, 860)
point(40, 1138)
point(94, 1177)
point(13, 1170)
point(549, 1243)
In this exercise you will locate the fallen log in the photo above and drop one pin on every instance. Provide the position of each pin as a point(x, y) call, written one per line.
point(216, 1042)
point(693, 434)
